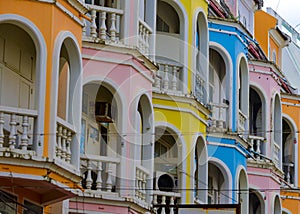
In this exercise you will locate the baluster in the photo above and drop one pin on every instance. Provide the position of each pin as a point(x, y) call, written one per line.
point(63, 144)
point(163, 203)
point(171, 205)
point(89, 179)
point(103, 26)
point(93, 24)
point(258, 146)
point(24, 138)
point(166, 78)
point(155, 203)
point(59, 136)
point(84, 28)
point(144, 39)
point(174, 79)
point(113, 27)
point(99, 179)
point(13, 126)
point(201, 90)
point(144, 186)
point(147, 45)
point(1, 129)
point(109, 179)
point(137, 179)
point(141, 185)
point(141, 38)
point(68, 151)
point(288, 176)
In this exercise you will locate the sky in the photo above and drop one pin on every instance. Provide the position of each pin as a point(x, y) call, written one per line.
point(289, 10)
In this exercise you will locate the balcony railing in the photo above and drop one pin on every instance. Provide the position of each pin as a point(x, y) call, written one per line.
point(289, 172)
point(98, 173)
point(256, 144)
point(105, 24)
point(64, 136)
point(165, 201)
point(17, 132)
point(200, 92)
point(144, 37)
point(276, 153)
point(168, 78)
point(242, 121)
point(141, 175)
point(218, 120)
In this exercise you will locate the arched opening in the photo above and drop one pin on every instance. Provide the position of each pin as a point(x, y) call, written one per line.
point(166, 172)
point(218, 184)
point(170, 33)
point(218, 91)
point(19, 88)
point(257, 121)
point(100, 134)
point(256, 202)
point(288, 151)
point(201, 54)
point(277, 205)
point(201, 169)
point(277, 131)
point(243, 90)
point(243, 196)
point(144, 130)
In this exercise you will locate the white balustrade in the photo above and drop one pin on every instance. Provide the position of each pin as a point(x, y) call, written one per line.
point(256, 143)
point(288, 169)
point(141, 180)
point(218, 119)
point(145, 32)
point(276, 153)
point(199, 88)
point(17, 132)
point(64, 135)
point(242, 121)
point(99, 172)
point(168, 78)
point(104, 24)
point(164, 200)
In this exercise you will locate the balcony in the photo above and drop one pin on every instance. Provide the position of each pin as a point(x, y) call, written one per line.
point(104, 25)
point(163, 202)
point(99, 175)
point(218, 119)
point(169, 78)
point(145, 33)
point(200, 92)
point(141, 176)
point(65, 134)
point(256, 143)
point(289, 172)
point(17, 137)
point(242, 122)
point(276, 153)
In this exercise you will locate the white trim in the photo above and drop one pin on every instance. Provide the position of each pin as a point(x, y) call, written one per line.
point(205, 171)
point(75, 89)
point(261, 197)
point(182, 155)
point(237, 179)
point(127, 62)
point(41, 69)
point(181, 110)
point(229, 33)
point(273, 99)
point(290, 120)
point(229, 67)
point(200, 12)
point(226, 173)
point(276, 195)
point(226, 145)
point(285, 209)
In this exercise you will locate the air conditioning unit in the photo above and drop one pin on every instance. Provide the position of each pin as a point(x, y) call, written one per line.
point(165, 181)
point(103, 112)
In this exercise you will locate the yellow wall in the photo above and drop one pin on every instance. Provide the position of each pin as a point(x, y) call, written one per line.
point(263, 22)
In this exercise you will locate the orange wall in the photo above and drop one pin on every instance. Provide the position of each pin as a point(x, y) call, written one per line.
point(50, 20)
point(263, 22)
point(294, 112)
